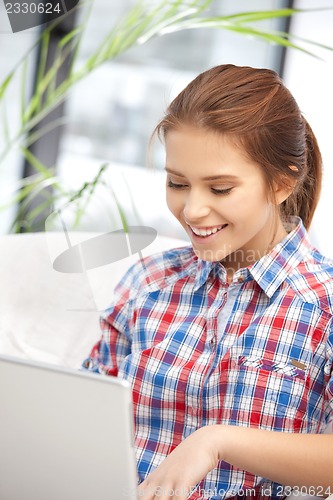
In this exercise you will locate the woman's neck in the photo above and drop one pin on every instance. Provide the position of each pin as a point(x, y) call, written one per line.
point(248, 255)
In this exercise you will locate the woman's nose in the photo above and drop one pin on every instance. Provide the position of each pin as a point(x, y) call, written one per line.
point(196, 207)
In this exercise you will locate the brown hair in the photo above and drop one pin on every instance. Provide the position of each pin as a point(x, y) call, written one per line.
point(259, 111)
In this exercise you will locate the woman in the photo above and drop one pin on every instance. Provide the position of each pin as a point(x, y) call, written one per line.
point(228, 343)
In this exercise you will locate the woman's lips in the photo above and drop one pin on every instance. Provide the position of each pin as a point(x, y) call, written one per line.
point(206, 233)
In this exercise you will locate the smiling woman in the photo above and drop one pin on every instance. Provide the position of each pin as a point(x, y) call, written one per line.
point(228, 343)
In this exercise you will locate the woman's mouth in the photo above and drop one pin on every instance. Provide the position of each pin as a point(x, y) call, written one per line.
point(204, 233)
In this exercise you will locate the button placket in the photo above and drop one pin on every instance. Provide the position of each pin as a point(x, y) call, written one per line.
point(212, 316)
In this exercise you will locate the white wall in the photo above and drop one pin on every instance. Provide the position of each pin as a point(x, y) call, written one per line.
point(310, 80)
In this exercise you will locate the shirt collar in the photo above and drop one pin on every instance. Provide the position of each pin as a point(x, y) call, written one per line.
point(272, 269)
point(202, 270)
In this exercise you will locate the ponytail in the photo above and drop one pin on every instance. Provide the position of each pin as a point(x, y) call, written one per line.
point(304, 200)
point(313, 180)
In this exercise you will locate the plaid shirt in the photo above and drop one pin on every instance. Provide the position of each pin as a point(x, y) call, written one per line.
point(197, 351)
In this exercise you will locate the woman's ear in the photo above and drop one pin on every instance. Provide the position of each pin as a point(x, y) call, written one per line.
point(284, 189)
point(282, 193)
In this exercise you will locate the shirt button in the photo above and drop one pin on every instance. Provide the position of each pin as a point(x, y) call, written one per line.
point(87, 364)
point(241, 279)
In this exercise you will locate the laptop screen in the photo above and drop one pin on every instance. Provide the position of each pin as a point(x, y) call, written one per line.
point(64, 434)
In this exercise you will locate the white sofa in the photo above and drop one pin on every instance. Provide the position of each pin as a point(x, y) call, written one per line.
point(52, 316)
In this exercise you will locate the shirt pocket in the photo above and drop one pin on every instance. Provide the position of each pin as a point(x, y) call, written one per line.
point(294, 369)
point(275, 392)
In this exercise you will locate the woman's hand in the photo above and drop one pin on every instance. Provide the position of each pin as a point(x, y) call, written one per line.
point(183, 468)
point(304, 460)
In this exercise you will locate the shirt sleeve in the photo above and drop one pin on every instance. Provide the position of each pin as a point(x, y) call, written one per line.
point(115, 323)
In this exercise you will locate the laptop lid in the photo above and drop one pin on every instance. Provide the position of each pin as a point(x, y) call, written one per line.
point(64, 434)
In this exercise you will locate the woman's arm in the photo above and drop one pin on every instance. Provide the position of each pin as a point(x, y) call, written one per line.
point(290, 459)
point(115, 342)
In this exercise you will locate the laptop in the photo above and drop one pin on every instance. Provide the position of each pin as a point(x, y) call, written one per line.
point(64, 434)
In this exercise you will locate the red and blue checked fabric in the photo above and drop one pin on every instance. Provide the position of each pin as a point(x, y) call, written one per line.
point(197, 351)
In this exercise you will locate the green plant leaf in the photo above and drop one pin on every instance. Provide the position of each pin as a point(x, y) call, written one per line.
point(38, 166)
point(25, 189)
point(120, 210)
point(36, 106)
point(83, 196)
point(5, 84)
point(35, 136)
point(311, 42)
point(69, 37)
point(5, 124)
point(45, 42)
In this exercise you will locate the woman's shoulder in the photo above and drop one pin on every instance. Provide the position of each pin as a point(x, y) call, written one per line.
point(173, 259)
point(320, 266)
point(159, 269)
point(313, 281)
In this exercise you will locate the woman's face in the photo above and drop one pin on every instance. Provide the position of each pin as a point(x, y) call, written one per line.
point(220, 197)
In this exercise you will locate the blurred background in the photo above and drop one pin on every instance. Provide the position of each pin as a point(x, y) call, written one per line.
point(109, 115)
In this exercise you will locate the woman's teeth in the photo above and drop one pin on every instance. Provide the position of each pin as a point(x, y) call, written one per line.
point(208, 232)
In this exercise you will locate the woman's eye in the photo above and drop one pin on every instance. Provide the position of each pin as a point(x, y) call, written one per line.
point(175, 185)
point(221, 191)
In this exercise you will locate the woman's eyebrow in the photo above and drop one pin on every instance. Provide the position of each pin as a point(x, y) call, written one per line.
point(208, 178)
